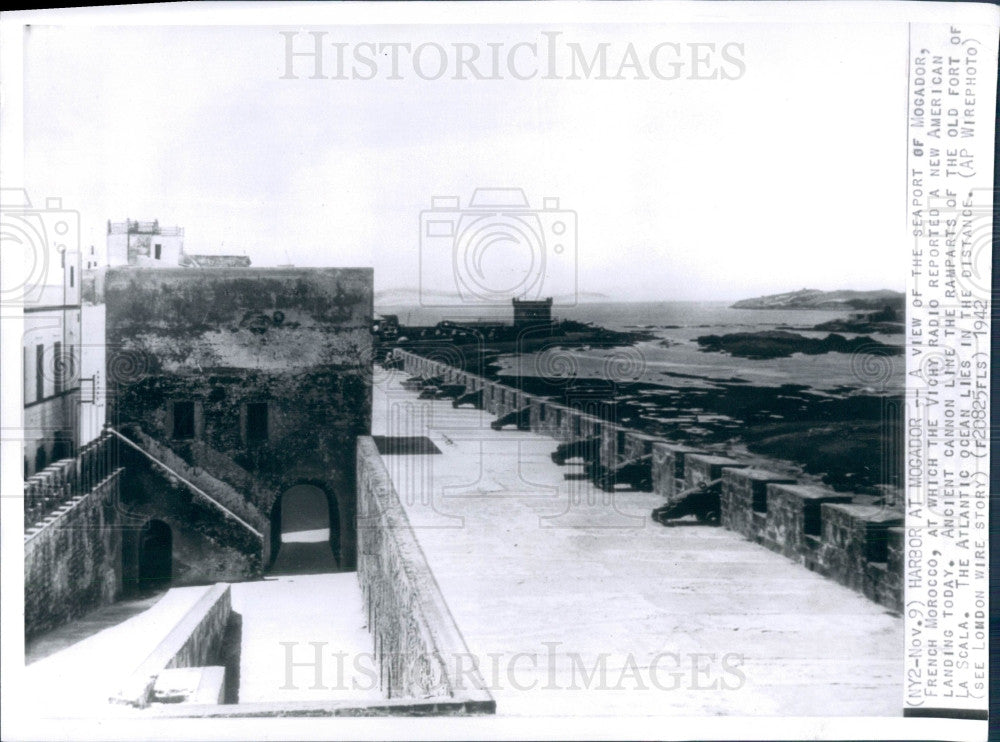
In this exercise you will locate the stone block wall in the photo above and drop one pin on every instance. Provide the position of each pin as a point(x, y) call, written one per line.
point(74, 562)
point(792, 516)
point(612, 438)
point(636, 445)
point(855, 546)
point(668, 468)
point(417, 644)
point(705, 468)
point(746, 503)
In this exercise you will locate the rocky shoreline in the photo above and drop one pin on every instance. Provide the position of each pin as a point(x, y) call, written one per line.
point(782, 344)
point(843, 437)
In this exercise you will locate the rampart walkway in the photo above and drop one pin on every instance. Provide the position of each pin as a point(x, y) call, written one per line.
point(550, 580)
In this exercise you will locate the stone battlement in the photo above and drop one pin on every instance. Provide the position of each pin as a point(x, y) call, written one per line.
point(848, 538)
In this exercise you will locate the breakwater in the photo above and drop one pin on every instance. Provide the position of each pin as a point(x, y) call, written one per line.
point(856, 540)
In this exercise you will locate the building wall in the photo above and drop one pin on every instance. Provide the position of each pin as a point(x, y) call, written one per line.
point(92, 373)
point(297, 340)
point(139, 248)
point(50, 382)
point(529, 312)
point(206, 545)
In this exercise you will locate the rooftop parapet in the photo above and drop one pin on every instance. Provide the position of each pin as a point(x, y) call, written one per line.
point(132, 226)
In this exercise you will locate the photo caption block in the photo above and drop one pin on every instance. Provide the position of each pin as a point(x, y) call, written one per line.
point(950, 133)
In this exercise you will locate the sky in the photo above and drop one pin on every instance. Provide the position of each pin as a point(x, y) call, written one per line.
point(789, 176)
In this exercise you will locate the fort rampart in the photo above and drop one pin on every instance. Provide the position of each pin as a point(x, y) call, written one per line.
point(852, 539)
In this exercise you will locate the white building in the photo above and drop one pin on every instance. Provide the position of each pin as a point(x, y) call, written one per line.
point(144, 244)
point(52, 337)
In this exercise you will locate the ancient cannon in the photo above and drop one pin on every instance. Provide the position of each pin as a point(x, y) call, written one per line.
point(586, 448)
point(637, 473)
point(521, 418)
point(474, 398)
point(701, 501)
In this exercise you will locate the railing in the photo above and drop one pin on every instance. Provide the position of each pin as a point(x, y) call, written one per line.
point(131, 226)
point(184, 480)
point(63, 480)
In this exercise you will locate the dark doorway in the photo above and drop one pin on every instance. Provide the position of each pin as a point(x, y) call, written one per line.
point(183, 420)
point(304, 530)
point(155, 556)
point(256, 422)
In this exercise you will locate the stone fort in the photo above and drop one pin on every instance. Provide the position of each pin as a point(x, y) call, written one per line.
point(457, 508)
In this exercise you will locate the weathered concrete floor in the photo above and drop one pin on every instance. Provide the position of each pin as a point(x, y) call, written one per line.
point(313, 619)
point(545, 576)
point(85, 626)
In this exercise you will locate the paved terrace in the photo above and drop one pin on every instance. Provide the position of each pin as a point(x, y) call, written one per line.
point(549, 579)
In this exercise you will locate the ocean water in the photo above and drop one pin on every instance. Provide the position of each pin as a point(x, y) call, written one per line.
point(674, 359)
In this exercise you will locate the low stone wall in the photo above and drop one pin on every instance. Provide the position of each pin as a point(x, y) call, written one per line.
point(195, 641)
point(668, 468)
point(417, 644)
point(73, 561)
point(855, 550)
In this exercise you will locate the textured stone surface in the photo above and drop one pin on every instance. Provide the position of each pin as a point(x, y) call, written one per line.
point(636, 444)
point(704, 468)
point(854, 536)
point(416, 639)
point(297, 339)
point(744, 493)
point(793, 512)
point(612, 438)
point(74, 563)
point(668, 468)
point(190, 685)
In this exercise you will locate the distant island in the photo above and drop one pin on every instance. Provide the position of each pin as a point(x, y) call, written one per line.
point(827, 300)
point(407, 295)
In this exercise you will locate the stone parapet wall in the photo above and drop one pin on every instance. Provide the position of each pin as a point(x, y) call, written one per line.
point(839, 535)
point(195, 641)
point(745, 502)
point(668, 468)
point(418, 646)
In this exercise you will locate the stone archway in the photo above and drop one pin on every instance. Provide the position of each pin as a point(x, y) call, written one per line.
point(155, 558)
point(305, 530)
